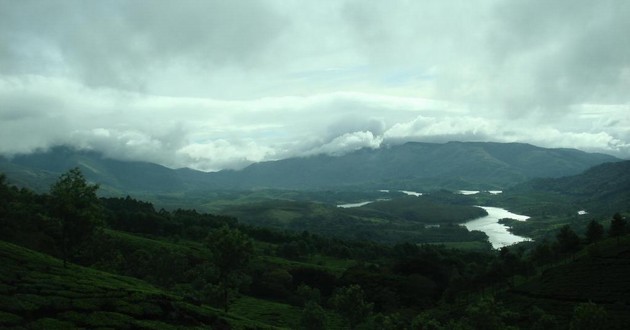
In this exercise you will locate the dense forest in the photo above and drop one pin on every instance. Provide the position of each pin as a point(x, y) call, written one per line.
point(72, 259)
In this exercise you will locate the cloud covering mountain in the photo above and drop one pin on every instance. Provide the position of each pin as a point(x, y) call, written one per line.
point(221, 84)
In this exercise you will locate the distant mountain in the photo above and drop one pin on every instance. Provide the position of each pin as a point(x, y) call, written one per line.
point(421, 166)
point(604, 188)
point(39, 170)
point(413, 166)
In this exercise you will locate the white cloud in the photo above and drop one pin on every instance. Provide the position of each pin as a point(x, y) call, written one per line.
point(219, 85)
point(348, 142)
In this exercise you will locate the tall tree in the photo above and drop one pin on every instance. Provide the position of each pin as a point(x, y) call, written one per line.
point(568, 240)
point(75, 205)
point(617, 226)
point(231, 252)
point(594, 231)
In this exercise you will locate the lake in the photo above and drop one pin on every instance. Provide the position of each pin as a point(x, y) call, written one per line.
point(498, 234)
point(406, 192)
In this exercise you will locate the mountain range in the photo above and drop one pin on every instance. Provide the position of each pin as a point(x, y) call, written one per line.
point(413, 166)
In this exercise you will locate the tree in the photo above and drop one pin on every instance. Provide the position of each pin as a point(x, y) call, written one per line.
point(594, 231)
point(589, 316)
point(313, 317)
point(617, 226)
point(350, 303)
point(568, 240)
point(231, 252)
point(75, 206)
point(485, 314)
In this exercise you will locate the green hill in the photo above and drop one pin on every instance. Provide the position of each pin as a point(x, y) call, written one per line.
point(603, 189)
point(39, 293)
point(601, 275)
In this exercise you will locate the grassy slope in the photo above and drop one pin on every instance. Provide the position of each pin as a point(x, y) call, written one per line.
point(37, 292)
point(600, 274)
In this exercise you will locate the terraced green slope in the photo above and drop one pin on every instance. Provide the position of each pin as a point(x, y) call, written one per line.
point(36, 292)
point(598, 274)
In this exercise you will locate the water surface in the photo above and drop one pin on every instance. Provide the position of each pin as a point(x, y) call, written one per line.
point(498, 234)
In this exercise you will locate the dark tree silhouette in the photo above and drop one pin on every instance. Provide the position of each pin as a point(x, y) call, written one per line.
point(617, 226)
point(568, 240)
point(594, 231)
point(350, 303)
point(231, 252)
point(589, 316)
point(75, 206)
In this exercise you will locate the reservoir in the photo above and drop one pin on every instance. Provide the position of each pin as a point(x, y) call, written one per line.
point(351, 205)
point(498, 234)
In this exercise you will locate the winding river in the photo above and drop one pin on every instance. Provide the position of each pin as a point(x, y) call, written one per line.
point(498, 234)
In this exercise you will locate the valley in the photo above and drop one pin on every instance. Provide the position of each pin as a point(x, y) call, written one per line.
point(160, 252)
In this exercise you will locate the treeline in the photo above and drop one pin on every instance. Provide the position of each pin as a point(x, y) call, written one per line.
point(211, 259)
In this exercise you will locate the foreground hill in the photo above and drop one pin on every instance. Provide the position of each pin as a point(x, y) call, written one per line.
point(39, 293)
point(420, 166)
point(601, 275)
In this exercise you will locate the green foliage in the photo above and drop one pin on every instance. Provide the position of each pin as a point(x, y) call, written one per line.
point(41, 294)
point(540, 320)
point(589, 316)
point(290, 270)
point(398, 220)
point(602, 189)
point(313, 317)
point(269, 312)
point(617, 226)
point(350, 303)
point(594, 231)
point(75, 205)
point(425, 321)
point(308, 294)
point(231, 252)
point(568, 240)
point(485, 314)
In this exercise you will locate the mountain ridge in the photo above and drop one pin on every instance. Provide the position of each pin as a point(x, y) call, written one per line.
point(603, 188)
point(413, 165)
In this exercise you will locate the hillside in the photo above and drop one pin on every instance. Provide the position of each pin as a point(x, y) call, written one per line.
point(413, 166)
point(142, 268)
point(39, 170)
point(39, 293)
point(601, 275)
point(602, 189)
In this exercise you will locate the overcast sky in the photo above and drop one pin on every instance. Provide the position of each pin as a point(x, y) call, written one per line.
point(221, 84)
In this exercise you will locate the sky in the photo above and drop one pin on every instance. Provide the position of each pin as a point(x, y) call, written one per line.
point(217, 85)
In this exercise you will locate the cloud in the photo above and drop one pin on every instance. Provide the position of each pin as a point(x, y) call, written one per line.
point(216, 84)
point(571, 52)
point(348, 142)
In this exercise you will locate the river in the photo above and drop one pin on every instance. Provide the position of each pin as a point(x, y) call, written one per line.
point(498, 234)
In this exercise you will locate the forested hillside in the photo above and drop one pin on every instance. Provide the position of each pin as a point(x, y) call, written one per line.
point(119, 262)
point(602, 189)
